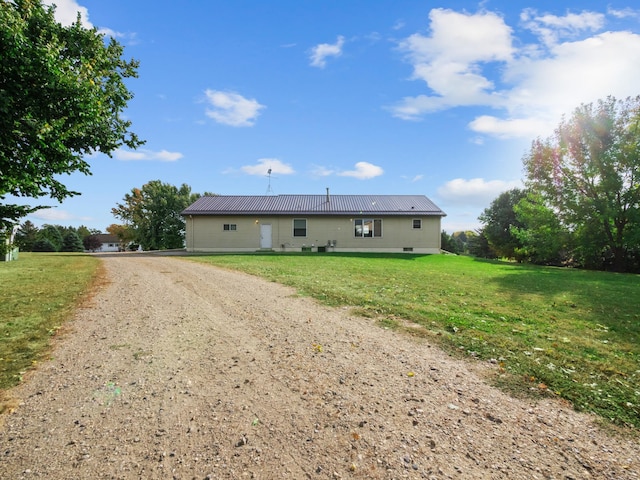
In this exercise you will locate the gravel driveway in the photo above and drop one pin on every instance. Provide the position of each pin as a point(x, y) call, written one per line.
point(179, 370)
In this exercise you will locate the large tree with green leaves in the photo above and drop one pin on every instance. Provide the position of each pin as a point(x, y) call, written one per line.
point(153, 214)
point(588, 174)
point(543, 239)
point(499, 220)
point(62, 94)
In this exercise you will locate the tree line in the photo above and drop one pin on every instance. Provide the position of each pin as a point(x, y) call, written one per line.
point(580, 205)
point(55, 238)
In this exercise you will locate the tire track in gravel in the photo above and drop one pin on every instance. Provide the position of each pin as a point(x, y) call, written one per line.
point(182, 370)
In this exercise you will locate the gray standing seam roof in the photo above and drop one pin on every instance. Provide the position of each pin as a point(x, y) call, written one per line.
point(314, 205)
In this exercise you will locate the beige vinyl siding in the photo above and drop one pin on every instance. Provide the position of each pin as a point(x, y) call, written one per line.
point(205, 233)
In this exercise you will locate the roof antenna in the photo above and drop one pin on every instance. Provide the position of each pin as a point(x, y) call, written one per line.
point(269, 189)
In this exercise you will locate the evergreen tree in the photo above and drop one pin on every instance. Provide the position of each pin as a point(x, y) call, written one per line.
point(53, 235)
point(72, 243)
point(44, 245)
point(26, 236)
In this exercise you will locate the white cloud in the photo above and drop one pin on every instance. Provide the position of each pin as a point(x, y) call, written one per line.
point(550, 28)
point(363, 171)
point(414, 179)
point(67, 12)
point(320, 171)
point(52, 215)
point(265, 164)
point(232, 109)
point(449, 61)
point(582, 71)
point(144, 154)
point(476, 191)
point(624, 13)
point(320, 52)
point(507, 128)
point(476, 60)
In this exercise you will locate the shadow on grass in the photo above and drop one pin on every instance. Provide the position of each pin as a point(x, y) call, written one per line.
point(609, 301)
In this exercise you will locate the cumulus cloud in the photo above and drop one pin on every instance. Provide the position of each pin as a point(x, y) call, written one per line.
point(144, 154)
point(476, 191)
point(449, 60)
point(510, 127)
point(476, 60)
point(67, 12)
point(363, 171)
point(320, 52)
point(232, 109)
point(265, 164)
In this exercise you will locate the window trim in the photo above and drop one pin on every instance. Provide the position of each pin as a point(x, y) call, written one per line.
point(229, 227)
point(294, 229)
point(413, 224)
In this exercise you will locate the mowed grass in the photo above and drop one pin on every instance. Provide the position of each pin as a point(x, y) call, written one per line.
point(569, 333)
point(38, 293)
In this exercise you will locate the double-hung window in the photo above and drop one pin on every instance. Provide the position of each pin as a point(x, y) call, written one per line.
point(299, 227)
point(368, 227)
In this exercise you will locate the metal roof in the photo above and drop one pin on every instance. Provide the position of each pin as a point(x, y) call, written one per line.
point(314, 205)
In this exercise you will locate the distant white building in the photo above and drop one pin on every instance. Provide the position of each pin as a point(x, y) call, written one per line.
point(110, 243)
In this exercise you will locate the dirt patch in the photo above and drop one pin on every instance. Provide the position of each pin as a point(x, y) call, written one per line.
point(182, 370)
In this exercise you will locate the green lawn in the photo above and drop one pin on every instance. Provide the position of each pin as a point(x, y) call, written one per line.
point(38, 293)
point(560, 332)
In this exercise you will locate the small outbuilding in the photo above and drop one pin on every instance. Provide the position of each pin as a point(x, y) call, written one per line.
point(320, 223)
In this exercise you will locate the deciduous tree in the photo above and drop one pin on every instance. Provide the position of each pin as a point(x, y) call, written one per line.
point(588, 173)
point(499, 219)
point(62, 94)
point(543, 239)
point(153, 214)
point(92, 243)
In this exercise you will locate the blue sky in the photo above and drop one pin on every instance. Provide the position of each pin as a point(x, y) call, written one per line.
point(360, 96)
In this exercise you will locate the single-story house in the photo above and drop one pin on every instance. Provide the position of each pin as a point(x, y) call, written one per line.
point(335, 223)
point(110, 243)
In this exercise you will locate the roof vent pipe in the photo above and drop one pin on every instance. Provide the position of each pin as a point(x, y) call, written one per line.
point(328, 201)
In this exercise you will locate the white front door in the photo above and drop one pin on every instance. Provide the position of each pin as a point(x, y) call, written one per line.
point(265, 235)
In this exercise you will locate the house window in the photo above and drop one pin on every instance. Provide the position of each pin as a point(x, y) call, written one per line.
point(368, 227)
point(229, 227)
point(299, 227)
point(417, 223)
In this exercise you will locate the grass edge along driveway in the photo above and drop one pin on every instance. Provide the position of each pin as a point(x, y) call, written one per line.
point(38, 293)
